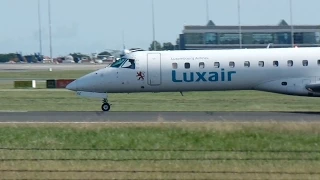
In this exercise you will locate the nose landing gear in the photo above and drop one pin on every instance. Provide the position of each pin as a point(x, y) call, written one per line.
point(105, 106)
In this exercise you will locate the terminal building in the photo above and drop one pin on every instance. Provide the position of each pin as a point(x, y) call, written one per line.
point(212, 36)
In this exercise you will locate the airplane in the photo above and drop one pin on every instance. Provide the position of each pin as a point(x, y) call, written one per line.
point(290, 71)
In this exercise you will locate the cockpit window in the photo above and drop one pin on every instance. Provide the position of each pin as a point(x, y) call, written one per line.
point(124, 63)
point(129, 64)
point(118, 63)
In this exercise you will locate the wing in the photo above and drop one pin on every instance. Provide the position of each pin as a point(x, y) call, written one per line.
point(315, 87)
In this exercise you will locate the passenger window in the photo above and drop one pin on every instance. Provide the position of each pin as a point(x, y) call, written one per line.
point(246, 64)
point(187, 65)
point(305, 62)
point(261, 63)
point(318, 62)
point(174, 65)
point(290, 63)
point(201, 65)
point(231, 64)
point(216, 64)
point(275, 63)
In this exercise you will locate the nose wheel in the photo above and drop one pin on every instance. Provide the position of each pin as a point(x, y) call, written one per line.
point(105, 106)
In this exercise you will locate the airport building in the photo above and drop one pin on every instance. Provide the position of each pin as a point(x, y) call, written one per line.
point(212, 36)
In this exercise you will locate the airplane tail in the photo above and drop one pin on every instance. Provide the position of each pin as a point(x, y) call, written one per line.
point(38, 56)
point(20, 57)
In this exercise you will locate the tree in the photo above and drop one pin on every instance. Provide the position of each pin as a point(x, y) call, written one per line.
point(157, 46)
point(7, 57)
point(168, 46)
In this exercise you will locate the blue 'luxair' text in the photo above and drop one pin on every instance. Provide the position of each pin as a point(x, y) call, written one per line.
point(203, 76)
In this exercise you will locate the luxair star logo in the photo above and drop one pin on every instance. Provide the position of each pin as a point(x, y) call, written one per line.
point(140, 75)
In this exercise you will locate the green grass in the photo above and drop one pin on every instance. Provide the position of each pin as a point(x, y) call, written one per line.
point(222, 136)
point(63, 100)
point(45, 74)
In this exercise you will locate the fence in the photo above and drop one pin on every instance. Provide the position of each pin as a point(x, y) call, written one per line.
point(25, 84)
point(297, 156)
point(50, 83)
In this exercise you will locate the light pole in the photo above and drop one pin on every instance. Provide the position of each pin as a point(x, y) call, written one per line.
point(50, 37)
point(123, 43)
point(239, 23)
point(39, 21)
point(292, 34)
point(153, 28)
point(207, 10)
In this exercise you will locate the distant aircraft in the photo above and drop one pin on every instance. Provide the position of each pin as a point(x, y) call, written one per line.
point(291, 71)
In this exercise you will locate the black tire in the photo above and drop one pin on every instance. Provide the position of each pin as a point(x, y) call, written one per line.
point(105, 107)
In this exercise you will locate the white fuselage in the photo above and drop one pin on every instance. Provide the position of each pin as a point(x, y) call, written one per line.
point(210, 70)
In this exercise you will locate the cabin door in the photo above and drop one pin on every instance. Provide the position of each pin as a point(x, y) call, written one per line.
point(154, 69)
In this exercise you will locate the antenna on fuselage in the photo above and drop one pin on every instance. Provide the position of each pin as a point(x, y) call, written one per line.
point(269, 45)
point(181, 93)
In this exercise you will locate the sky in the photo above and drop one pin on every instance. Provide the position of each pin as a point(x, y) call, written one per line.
point(89, 26)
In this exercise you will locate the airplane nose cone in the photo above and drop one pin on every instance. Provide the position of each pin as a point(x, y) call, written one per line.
point(72, 86)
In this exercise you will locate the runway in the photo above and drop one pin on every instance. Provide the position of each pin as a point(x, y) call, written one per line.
point(143, 117)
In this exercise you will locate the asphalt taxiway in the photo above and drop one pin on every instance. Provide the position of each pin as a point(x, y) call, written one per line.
point(131, 117)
